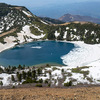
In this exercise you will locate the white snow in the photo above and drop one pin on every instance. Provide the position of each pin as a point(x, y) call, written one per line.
point(6, 79)
point(92, 32)
point(57, 73)
point(97, 39)
point(75, 30)
point(74, 36)
point(9, 43)
point(65, 34)
point(37, 47)
point(67, 28)
point(82, 55)
point(56, 34)
point(37, 28)
point(26, 31)
point(26, 13)
point(86, 31)
point(43, 22)
point(78, 77)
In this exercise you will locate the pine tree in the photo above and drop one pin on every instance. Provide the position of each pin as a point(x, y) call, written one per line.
point(24, 75)
point(12, 78)
point(19, 76)
point(1, 83)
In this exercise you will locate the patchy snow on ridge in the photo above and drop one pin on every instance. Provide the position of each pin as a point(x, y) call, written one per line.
point(56, 34)
point(26, 13)
point(37, 28)
point(43, 22)
point(24, 35)
point(26, 32)
point(65, 34)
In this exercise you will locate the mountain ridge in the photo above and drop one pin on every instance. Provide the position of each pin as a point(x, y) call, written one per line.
point(70, 18)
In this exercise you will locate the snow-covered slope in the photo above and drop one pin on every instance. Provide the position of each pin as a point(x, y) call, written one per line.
point(17, 17)
point(23, 36)
point(82, 55)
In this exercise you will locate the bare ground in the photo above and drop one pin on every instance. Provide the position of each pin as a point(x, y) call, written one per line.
point(82, 93)
point(6, 33)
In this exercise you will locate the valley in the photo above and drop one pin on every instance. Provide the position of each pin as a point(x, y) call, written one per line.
point(19, 26)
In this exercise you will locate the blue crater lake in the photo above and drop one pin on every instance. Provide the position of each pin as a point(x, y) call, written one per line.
point(35, 53)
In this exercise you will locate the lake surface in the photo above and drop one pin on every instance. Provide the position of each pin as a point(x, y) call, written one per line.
point(35, 53)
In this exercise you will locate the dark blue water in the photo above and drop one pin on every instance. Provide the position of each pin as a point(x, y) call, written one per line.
point(50, 52)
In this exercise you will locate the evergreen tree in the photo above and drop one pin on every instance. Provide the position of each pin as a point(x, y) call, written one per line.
point(40, 80)
point(19, 76)
point(1, 83)
point(34, 74)
point(24, 75)
point(19, 67)
point(12, 78)
point(39, 71)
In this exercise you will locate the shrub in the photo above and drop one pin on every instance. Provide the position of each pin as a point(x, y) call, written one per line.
point(49, 85)
point(28, 80)
point(46, 81)
point(1, 83)
point(12, 78)
point(13, 87)
point(38, 85)
point(40, 80)
point(68, 83)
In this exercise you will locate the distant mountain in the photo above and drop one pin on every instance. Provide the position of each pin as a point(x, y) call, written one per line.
point(51, 20)
point(71, 18)
point(57, 10)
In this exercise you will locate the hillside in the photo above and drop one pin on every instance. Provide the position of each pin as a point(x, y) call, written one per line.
point(51, 20)
point(18, 25)
point(71, 18)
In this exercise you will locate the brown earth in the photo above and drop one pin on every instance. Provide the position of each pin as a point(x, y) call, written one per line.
point(8, 32)
point(82, 93)
point(75, 22)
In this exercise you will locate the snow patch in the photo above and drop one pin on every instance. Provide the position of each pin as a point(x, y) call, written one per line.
point(26, 13)
point(43, 22)
point(82, 55)
point(6, 79)
point(56, 34)
point(37, 47)
point(65, 34)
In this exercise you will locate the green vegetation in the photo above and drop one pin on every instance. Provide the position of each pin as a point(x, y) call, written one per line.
point(38, 85)
point(92, 35)
point(12, 78)
point(1, 83)
point(4, 9)
point(35, 31)
point(68, 84)
point(79, 70)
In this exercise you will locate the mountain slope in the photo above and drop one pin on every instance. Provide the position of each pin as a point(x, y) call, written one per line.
point(18, 25)
point(13, 17)
point(51, 20)
point(70, 18)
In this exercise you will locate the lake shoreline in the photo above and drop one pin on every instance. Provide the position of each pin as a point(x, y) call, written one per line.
point(81, 47)
point(44, 48)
